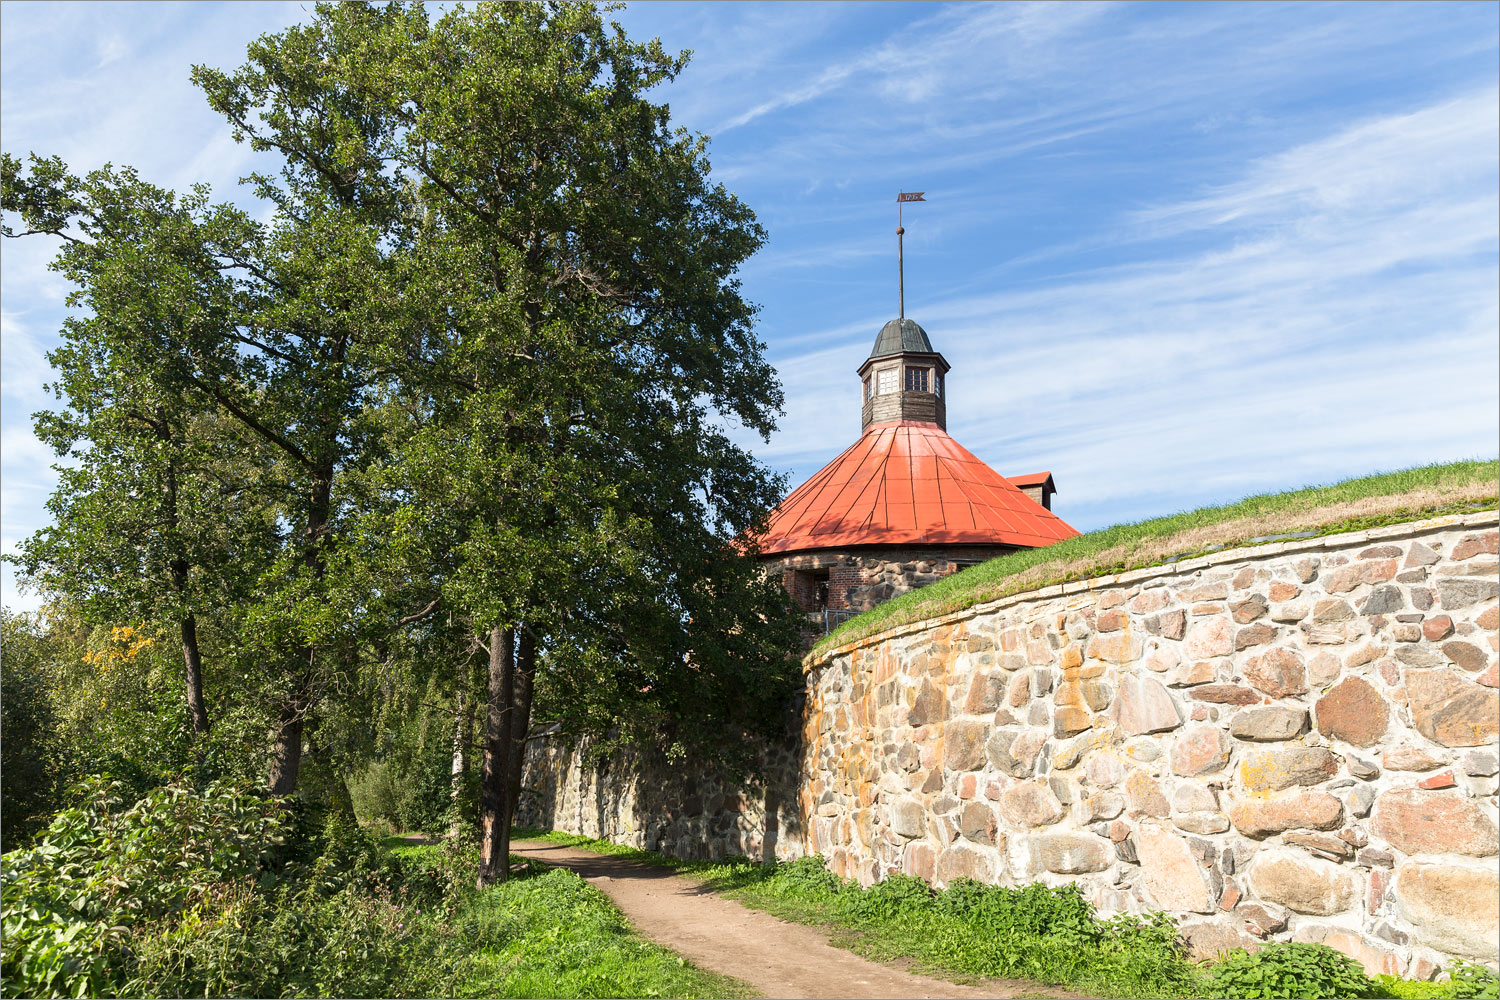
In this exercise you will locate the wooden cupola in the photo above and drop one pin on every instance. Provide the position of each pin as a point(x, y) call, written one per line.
point(903, 378)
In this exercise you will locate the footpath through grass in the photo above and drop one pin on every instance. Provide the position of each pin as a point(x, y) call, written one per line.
point(1355, 504)
point(1052, 936)
point(548, 933)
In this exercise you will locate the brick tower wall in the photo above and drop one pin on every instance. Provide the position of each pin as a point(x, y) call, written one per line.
point(861, 578)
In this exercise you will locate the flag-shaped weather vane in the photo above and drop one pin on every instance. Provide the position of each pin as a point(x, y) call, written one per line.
point(902, 197)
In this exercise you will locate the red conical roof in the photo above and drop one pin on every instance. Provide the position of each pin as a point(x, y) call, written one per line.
point(909, 483)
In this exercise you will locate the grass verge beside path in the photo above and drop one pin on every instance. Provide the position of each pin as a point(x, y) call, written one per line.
point(1034, 933)
point(969, 931)
point(1355, 504)
point(548, 933)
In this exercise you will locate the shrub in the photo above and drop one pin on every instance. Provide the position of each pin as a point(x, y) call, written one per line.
point(1467, 979)
point(1290, 970)
point(69, 903)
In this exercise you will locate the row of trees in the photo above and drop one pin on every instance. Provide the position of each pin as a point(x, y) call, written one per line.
point(447, 415)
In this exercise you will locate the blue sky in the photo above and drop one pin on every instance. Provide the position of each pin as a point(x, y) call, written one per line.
point(1175, 253)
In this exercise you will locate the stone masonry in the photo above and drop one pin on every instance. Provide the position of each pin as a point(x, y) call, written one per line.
point(860, 578)
point(1295, 741)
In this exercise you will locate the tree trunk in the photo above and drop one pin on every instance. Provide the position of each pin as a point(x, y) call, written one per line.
point(194, 679)
point(286, 753)
point(494, 825)
point(521, 724)
point(461, 709)
point(463, 734)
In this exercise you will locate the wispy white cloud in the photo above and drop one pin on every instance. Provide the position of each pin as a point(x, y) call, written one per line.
point(1337, 313)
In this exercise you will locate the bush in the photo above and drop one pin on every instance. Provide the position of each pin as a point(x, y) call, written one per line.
point(69, 904)
point(1290, 970)
point(30, 755)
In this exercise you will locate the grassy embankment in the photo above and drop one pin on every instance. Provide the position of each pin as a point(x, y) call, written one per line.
point(1355, 504)
point(1051, 936)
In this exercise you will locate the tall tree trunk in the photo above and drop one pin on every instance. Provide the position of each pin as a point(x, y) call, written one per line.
point(286, 752)
point(521, 724)
point(194, 678)
point(494, 826)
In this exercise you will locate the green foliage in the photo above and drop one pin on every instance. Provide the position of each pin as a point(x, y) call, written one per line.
point(98, 871)
point(32, 758)
point(1469, 979)
point(1294, 511)
point(217, 892)
point(1465, 979)
point(1290, 970)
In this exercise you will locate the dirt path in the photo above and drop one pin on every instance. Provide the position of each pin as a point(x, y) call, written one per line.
point(779, 959)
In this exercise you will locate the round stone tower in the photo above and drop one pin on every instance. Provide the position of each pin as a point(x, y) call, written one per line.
point(905, 504)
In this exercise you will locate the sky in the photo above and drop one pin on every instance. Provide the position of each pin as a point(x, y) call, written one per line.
point(1176, 254)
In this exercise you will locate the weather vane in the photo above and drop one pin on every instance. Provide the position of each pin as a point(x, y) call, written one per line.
point(902, 197)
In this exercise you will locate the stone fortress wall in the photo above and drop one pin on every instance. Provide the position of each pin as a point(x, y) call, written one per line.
point(1295, 741)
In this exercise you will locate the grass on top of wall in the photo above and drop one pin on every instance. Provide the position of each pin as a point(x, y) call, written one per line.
point(1354, 504)
point(1049, 936)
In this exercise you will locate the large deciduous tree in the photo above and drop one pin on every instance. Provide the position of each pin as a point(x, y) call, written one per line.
point(494, 340)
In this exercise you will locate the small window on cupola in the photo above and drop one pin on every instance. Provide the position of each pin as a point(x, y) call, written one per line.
point(916, 380)
point(885, 382)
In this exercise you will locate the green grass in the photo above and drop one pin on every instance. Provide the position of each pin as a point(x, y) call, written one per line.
point(548, 933)
point(968, 932)
point(1033, 933)
point(1355, 504)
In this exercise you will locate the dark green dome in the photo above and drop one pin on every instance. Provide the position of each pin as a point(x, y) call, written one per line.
point(901, 336)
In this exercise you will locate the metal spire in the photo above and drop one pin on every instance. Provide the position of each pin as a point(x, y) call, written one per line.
point(902, 197)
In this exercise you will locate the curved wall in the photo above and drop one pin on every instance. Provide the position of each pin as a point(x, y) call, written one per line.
point(1295, 741)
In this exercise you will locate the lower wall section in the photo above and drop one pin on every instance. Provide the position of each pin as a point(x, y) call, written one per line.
point(1293, 742)
point(642, 800)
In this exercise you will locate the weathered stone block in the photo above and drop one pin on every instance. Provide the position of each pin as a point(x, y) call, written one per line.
point(977, 823)
point(1144, 706)
point(1407, 757)
point(1145, 796)
point(1116, 647)
point(1353, 711)
point(908, 818)
point(1417, 821)
point(1030, 804)
point(1103, 805)
point(1300, 883)
point(1209, 638)
point(963, 860)
point(1273, 770)
point(1069, 853)
point(1454, 908)
point(1384, 600)
point(1199, 750)
point(1254, 635)
point(1466, 655)
point(1211, 940)
point(1455, 593)
point(963, 744)
point(1225, 694)
point(1170, 873)
point(1277, 672)
point(1277, 722)
point(1449, 710)
point(1303, 810)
